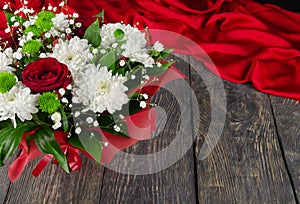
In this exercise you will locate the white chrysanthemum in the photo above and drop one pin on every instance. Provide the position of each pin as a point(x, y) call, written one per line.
point(18, 101)
point(98, 90)
point(6, 59)
point(107, 33)
point(74, 53)
point(60, 22)
point(134, 47)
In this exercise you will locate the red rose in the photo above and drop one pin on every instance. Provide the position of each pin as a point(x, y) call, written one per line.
point(46, 74)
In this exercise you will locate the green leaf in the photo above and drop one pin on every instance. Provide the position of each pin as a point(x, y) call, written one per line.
point(156, 71)
point(45, 141)
point(165, 53)
point(65, 121)
point(17, 18)
point(101, 15)
point(109, 60)
point(11, 137)
point(92, 34)
point(75, 142)
point(119, 34)
point(91, 144)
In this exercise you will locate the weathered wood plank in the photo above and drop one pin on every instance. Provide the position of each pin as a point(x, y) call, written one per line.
point(4, 181)
point(175, 184)
point(55, 186)
point(246, 166)
point(287, 117)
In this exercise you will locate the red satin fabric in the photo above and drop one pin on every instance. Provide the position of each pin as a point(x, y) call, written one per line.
point(247, 41)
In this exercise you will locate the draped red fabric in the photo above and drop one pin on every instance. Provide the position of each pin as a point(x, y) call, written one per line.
point(247, 41)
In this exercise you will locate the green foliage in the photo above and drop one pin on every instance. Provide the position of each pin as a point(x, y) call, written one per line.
point(17, 18)
point(101, 15)
point(45, 141)
point(92, 34)
point(156, 70)
point(11, 137)
point(90, 142)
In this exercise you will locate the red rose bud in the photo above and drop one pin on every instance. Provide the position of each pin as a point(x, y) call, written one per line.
point(46, 74)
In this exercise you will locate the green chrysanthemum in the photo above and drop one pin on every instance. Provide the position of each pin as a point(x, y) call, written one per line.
point(43, 21)
point(7, 81)
point(35, 30)
point(49, 102)
point(31, 46)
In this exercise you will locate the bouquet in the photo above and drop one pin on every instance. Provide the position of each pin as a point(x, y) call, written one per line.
point(72, 85)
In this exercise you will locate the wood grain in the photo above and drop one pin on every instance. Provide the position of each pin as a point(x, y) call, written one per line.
point(175, 184)
point(4, 181)
point(55, 186)
point(287, 117)
point(246, 166)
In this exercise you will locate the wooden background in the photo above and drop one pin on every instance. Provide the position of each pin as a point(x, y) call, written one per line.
point(257, 159)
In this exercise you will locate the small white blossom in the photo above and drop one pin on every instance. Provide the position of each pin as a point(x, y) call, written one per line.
point(146, 77)
point(95, 51)
point(78, 24)
point(122, 63)
point(143, 104)
point(117, 128)
point(145, 96)
point(5, 6)
point(43, 55)
point(96, 124)
point(62, 91)
point(68, 30)
point(64, 100)
point(89, 120)
point(77, 113)
point(56, 125)
point(114, 45)
point(7, 30)
point(158, 46)
point(69, 87)
point(47, 35)
point(71, 21)
point(60, 22)
point(56, 117)
point(78, 130)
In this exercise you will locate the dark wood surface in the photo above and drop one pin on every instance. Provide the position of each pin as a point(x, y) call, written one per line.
point(256, 160)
